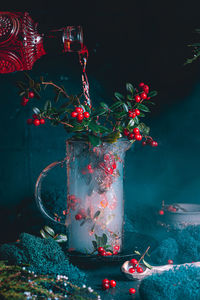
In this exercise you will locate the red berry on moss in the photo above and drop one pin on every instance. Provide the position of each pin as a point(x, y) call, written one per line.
point(126, 132)
point(106, 286)
point(161, 212)
point(42, 121)
point(134, 261)
point(36, 122)
point(74, 114)
point(146, 89)
point(78, 217)
point(139, 270)
point(112, 283)
point(86, 114)
point(29, 121)
point(105, 280)
point(136, 131)
point(80, 117)
point(132, 291)
point(143, 95)
point(137, 111)
point(31, 94)
point(170, 262)
point(154, 144)
point(79, 110)
point(141, 84)
point(138, 137)
point(131, 270)
point(137, 98)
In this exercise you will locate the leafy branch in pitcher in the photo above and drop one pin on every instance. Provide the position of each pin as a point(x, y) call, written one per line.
point(106, 123)
point(100, 245)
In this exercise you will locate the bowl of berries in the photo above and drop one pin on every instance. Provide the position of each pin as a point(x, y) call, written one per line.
point(134, 270)
point(180, 215)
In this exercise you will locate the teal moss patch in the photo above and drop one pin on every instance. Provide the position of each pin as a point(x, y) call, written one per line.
point(172, 285)
point(44, 256)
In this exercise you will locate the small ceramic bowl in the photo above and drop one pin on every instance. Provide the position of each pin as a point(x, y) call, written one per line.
point(134, 276)
point(180, 215)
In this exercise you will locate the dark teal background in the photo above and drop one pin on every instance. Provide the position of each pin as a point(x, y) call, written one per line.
point(148, 46)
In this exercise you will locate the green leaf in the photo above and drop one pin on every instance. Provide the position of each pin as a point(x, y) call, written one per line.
point(21, 85)
point(44, 234)
point(147, 265)
point(49, 230)
point(61, 238)
point(116, 105)
point(38, 87)
point(104, 105)
point(152, 94)
point(37, 95)
point(131, 123)
point(99, 112)
point(97, 213)
point(112, 137)
point(104, 239)
point(47, 105)
point(94, 243)
point(125, 106)
point(143, 107)
point(94, 140)
point(144, 129)
point(21, 93)
point(119, 96)
point(36, 110)
point(120, 115)
point(94, 126)
point(130, 88)
point(130, 97)
point(31, 83)
point(56, 98)
point(137, 252)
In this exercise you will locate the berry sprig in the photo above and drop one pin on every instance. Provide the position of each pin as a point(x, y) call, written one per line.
point(36, 120)
point(79, 114)
point(106, 284)
point(25, 99)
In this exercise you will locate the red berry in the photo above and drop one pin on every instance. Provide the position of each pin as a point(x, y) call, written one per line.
point(112, 283)
point(115, 252)
point(140, 270)
point(105, 281)
point(116, 248)
point(108, 253)
point(35, 116)
point(90, 171)
point(134, 261)
point(114, 166)
point(161, 212)
point(126, 132)
point(31, 95)
point(106, 286)
point(154, 144)
point(146, 89)
point(130, 114)
point(78, 217)
point(137, 111)
point(24, 101)
point(89, 167)
point(148, 98)
point(103, 253)
point(131, 270)
point(79, 110)
point(133, 115)
point(106, 157)
point(42, 121)
point(137, 98)
point(80, 117)
point(144, 143)
point(143, 95)
point(136, 131)
point(141, 84)
point(86, 114)
point(36, 122)
point(131, 136)
point(170, 262)
point(138, 137)
point(29, 121)
point(100, 249)
point(132, 291)
point(74, 114)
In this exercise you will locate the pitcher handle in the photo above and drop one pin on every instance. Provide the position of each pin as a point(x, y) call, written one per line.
point(38, 185)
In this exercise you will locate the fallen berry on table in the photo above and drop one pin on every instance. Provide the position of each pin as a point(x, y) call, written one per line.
point(112, 283)
point(170, 262)
point(144, 143)
point(42, 121)
point(132, 291)
point(36, 122)
point(31, 94)
point(161, 212)
point(78, 217)
point(154, 144)
point(106, 286)
point(105, 281)
point(29, 121)
point(131, 270)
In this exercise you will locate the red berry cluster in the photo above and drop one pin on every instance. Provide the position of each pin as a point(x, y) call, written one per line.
point(133, 113)
point(106, 284)
point(25, 100)
point(150, 141)
point(73, 201)
point(79, 114)
point(135, 134)
point(143, 95)
point(103, 252)
point(135, 266)
point(36, 120)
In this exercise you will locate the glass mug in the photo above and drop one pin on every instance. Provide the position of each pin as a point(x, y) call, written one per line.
point(95, 204)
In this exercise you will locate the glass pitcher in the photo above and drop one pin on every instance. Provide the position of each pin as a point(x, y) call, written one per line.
point(95, 204)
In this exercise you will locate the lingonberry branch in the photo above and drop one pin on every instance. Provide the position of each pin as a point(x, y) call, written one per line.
point(56, 86)
point(61, 122)
point(143, 255)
